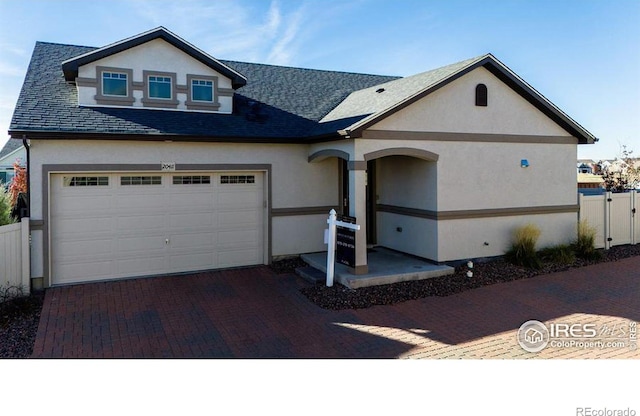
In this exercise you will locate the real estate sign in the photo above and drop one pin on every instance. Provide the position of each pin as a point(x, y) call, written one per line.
point(346, 242)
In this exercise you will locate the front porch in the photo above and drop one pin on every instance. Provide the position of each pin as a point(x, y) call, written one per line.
point(384, 267)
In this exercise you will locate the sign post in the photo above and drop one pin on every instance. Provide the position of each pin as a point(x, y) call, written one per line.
point(346, 243)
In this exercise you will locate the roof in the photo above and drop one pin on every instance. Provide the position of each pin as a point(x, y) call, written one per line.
point(10, 146)
point(276, 104)
point(70, 66)
point(382, 100)
point(589, 178)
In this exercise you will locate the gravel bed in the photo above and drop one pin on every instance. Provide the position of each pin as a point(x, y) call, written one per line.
point(491, 272)
point(19, 320)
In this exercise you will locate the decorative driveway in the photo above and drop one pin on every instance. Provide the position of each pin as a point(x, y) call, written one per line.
point(254, 313)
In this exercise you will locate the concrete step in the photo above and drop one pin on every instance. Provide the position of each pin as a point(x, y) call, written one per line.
point(311, 274)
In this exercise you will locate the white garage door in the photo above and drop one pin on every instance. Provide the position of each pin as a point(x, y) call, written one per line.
point(116, 225)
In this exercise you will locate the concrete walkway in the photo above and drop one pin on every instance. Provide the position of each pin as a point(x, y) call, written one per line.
point(254, 313)
point(385, 267)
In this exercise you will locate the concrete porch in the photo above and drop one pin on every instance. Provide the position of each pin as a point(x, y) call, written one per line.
point(385, 267)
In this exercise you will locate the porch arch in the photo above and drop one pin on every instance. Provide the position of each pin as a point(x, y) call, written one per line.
point(402, 151)
point(327, 153)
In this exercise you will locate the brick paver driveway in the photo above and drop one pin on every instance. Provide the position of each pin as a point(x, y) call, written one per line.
point(253, 313)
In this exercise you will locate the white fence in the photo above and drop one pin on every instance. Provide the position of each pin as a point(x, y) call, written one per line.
point(14, 256)
point(616, 217)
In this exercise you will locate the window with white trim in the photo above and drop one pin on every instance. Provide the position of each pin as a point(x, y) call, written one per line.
point(202, 90)
point(114, 84)
point(160, 87)
point(231, 179)
point(191, 180)
point(140, 180)
point(85, 181)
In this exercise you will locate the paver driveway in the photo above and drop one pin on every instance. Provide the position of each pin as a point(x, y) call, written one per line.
point(254, 313)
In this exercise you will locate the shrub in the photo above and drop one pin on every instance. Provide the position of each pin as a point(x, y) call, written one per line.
point(523, 249)
point(584, 246)
point(560, 254)
point(5, 207)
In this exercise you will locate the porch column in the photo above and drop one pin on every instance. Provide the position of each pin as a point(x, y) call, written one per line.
point(358, 209)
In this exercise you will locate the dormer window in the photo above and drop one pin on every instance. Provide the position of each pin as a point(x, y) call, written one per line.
point(115, 86)
point(114, 83)
point(202, 90)
point(202, 93)
point(159, 89)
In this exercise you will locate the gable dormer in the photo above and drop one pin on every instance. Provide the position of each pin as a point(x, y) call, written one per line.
point(153, 70)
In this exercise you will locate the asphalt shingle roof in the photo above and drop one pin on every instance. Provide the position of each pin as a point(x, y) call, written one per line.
point(277, 104)
point(10, 146)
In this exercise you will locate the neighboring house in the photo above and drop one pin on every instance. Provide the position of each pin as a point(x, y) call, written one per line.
point(12, 152)
point(585, 168)
point(590, 184)
point(149, 156)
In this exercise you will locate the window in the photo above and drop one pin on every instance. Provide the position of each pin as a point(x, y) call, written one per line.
point(160, 87)
point(481, 95)
point(85, 181)
point(226, 179)
point(202, 90)
point(114, 83)
point(191, 180)
point(140, 180)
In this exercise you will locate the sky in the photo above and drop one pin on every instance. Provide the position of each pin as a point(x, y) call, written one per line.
point(582, 55)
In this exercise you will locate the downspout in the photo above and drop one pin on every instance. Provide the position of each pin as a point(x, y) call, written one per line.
point(25, 143)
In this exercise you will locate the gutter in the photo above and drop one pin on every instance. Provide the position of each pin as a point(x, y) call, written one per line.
point(25, 143)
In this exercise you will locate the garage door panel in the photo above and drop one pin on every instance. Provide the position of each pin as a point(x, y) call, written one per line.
point(116, 231)
point(194, 241)
point(141, 222)
point(238, 218)
point(140, 244)
point(97, 203)
point(235, 258)
point(140, 266)
point(193, 261)
point(83, 226)
point(197, 220)
point(78, 271)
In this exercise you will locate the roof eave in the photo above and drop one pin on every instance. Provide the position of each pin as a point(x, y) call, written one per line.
point(70, 67)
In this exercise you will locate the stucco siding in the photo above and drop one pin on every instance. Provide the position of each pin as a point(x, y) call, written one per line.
point(406, 182)
point(452, 109)
point(299, 234)
point(466, 238)
point(417, 236)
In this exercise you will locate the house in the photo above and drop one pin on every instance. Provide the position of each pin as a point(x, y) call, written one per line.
point(590, 184)
point(149, 156)
point(13, 151)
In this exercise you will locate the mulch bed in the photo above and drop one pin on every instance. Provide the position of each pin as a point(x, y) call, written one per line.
point(495, 271)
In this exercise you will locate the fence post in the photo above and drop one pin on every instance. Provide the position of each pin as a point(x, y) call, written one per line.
point(607, 220)
point(25, 256)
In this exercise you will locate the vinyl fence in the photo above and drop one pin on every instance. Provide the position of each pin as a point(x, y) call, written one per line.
point(14, 256)
point(616, 217)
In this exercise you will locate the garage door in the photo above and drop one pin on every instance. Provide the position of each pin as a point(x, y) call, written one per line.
point(116, 225)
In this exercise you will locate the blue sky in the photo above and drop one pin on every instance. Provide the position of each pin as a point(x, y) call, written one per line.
point(583, 55)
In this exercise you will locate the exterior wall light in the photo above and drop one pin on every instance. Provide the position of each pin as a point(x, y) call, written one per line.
point(524, 163)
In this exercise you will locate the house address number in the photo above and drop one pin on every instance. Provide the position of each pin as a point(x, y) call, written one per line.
point(167, 166)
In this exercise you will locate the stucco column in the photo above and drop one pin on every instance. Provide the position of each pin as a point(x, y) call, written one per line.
point(358, 209)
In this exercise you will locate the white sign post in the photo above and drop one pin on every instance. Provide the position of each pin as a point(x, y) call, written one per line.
point(331, 242)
